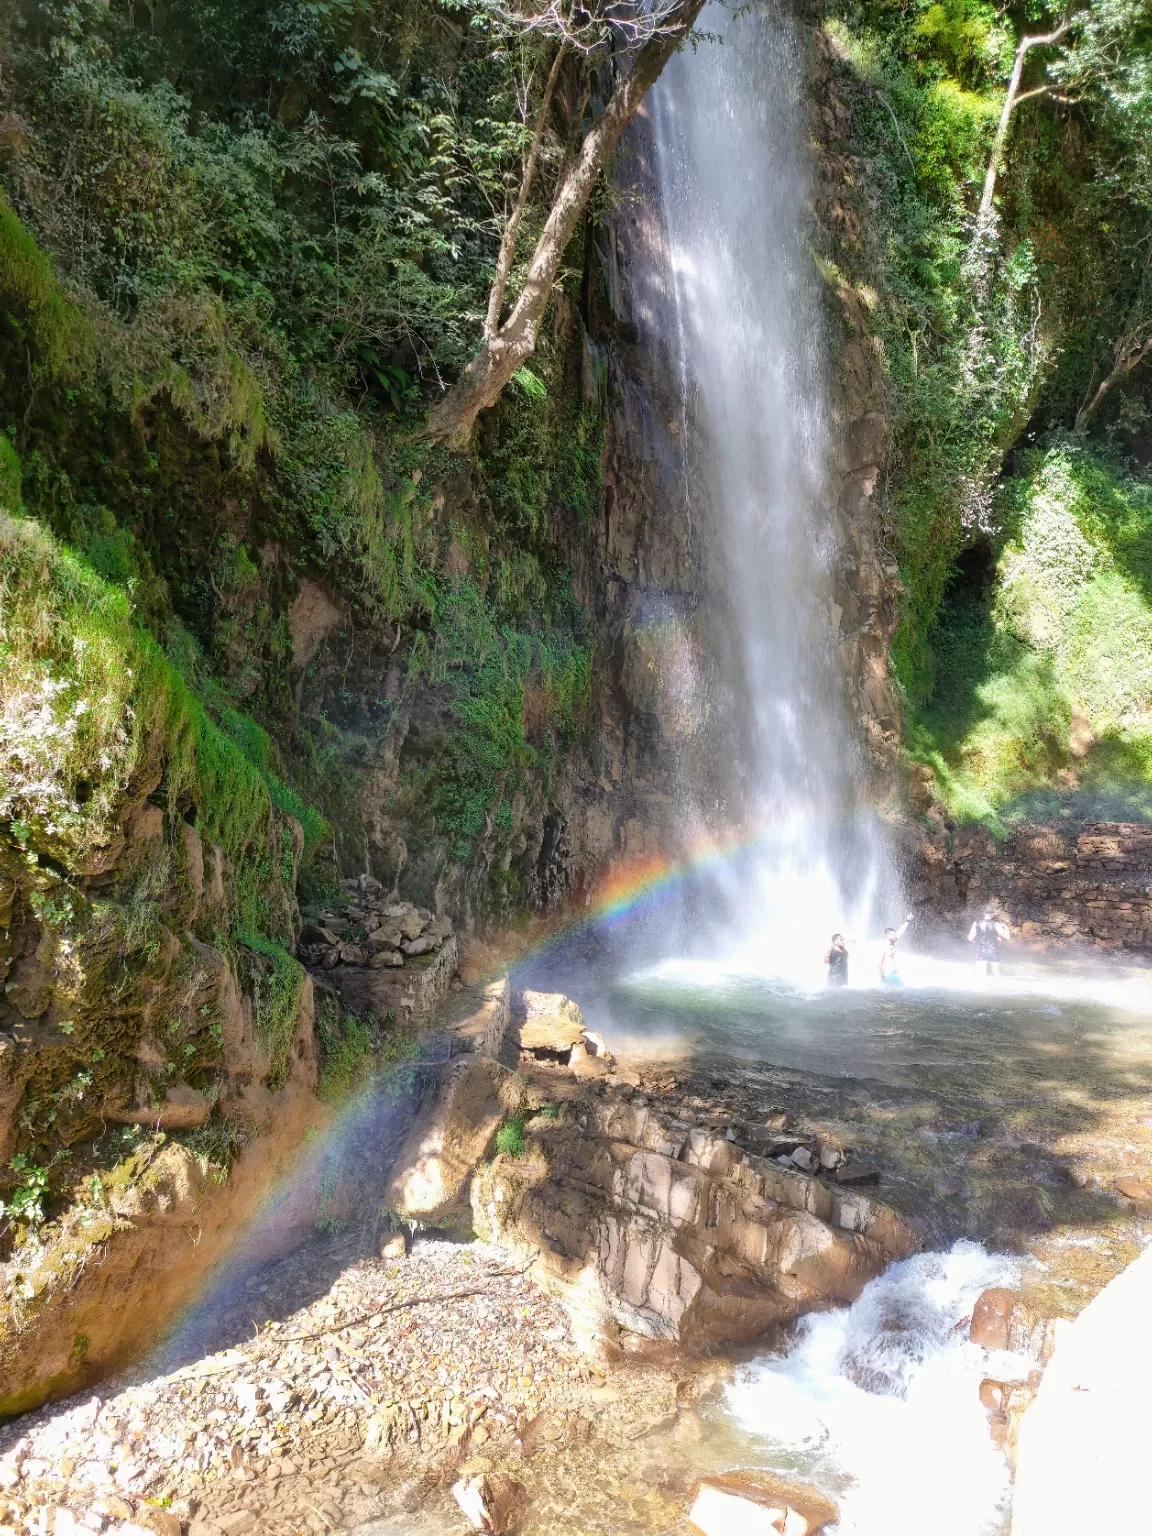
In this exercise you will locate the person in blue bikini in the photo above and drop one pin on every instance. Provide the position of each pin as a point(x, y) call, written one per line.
point(889, 970)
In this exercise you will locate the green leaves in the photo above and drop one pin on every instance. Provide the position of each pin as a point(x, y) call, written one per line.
point(528, 384)
point(25, 1203)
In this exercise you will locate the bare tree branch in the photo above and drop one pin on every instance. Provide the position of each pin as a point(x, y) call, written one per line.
point(1011, 101)
point(512, 228)
point(1125, 359)
point(510, 345)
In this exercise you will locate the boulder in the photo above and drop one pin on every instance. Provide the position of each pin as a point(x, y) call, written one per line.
point(758, 1504)
point(421, 946)
point(1006, 1402)
point(490, 1502)
point(385, 959)
point(1137, 1190)
point(857, 1173)
point(585, 1064)
point(387, 936)
point(454, 1133)
point(410, 924)
point(548, 1021)
point(1003, 1319)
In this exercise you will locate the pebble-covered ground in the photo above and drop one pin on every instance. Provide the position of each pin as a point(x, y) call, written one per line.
point(321, 1422)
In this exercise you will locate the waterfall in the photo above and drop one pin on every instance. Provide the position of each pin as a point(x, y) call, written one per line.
point(745, 325)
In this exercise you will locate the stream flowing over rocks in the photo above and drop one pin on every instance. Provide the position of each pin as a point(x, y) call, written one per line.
point(581, 1363)
point(537, 1311)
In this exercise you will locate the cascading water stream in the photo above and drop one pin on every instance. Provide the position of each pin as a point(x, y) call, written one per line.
point(878, 1402)
point(746, 328)
point(865, 1391)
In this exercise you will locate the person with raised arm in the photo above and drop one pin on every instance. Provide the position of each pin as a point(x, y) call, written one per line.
point(889, 969)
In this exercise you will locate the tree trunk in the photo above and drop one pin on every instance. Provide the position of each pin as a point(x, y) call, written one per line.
point(1124, 364)
point(510, 345)
point(512, 229)
point(1011, 102)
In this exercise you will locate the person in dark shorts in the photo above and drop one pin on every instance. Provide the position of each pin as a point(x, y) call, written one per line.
point(836, 959)
point(986, 933)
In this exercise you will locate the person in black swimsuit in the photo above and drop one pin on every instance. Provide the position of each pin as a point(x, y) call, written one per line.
point(836, 960)
point(986, 933)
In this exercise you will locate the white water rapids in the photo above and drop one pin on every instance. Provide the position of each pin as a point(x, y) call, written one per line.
point(879, 1403)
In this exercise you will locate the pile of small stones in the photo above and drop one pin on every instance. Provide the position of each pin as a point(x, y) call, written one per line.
point(412, 1361)
point(370, 929)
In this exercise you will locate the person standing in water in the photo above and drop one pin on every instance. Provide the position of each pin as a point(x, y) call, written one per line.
point(986, 933)
point(889, 970)
point(836, 959)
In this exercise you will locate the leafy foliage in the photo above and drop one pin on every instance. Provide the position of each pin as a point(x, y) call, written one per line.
point(1045, 669)
point(985, 340)
point(510, 1137)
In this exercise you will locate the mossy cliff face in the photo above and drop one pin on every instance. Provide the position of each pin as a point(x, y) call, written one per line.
point(147, 900)
point(148, 878)
point(1015, 517)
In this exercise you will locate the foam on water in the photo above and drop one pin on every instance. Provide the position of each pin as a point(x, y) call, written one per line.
point(879, 1402)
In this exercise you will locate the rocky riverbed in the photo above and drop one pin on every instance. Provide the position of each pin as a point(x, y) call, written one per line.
point(407, 1377)
point(377, 1381)
point(367, 1376)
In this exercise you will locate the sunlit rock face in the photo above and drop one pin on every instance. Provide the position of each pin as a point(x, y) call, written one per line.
point(453, 1134)
point(652, 1230)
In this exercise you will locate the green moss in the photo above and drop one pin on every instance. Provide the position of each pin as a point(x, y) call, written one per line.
point(35, 316)
point(90, 711)
point(346, 1049)
point(254, 741)
point(486, 671)
point(275, 979)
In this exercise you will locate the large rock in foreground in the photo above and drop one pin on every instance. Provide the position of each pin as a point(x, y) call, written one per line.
point(1083, 1444)
point(670, 1233)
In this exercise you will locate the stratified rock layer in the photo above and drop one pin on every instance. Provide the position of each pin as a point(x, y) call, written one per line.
point(670, 1233)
